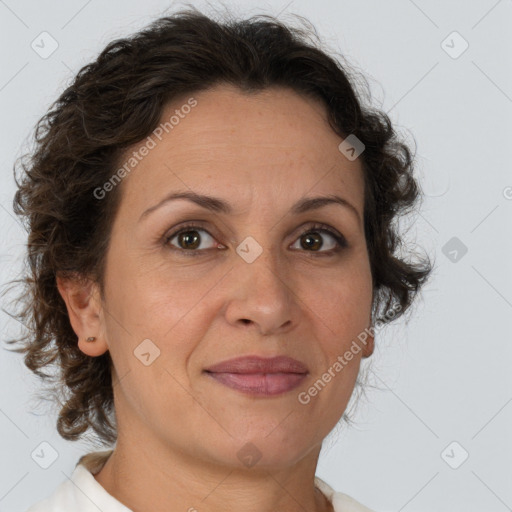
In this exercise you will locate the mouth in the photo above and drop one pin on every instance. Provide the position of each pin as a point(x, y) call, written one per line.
point(260, 384)
point(258, 376)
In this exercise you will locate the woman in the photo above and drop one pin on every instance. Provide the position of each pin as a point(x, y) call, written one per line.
point(211, 214)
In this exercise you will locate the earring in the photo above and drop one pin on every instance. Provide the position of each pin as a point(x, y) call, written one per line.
point(90, 339)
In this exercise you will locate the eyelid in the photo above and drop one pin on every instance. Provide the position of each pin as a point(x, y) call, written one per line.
point(308, 227)
point(187, 226)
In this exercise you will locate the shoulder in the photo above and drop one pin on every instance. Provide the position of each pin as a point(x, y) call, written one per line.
point(81, 492)
point(63, 497)
point(341, 502)
point(344, 503)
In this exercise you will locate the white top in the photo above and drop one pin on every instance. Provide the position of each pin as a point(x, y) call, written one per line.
point(82, 493)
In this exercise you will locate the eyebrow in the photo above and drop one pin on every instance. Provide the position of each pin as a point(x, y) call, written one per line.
point(217, 205)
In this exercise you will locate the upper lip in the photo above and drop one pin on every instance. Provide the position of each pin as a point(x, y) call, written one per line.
point(256, 364)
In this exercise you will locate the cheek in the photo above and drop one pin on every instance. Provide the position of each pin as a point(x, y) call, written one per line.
point(161, 306)
point(342, 302)
point(341, 313)
point(148, 296)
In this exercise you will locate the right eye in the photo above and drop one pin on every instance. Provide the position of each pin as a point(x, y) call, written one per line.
point(188, 240)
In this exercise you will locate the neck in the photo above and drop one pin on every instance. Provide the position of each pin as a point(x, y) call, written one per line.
point(171, 481)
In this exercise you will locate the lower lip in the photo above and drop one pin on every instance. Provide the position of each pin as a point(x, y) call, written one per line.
point(260, 384)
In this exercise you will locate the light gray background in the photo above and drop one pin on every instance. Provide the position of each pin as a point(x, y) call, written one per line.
point(444, 376)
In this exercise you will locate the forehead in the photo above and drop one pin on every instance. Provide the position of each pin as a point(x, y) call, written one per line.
point(243, 145)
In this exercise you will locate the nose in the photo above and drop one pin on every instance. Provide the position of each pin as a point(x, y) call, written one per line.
point(261, 295)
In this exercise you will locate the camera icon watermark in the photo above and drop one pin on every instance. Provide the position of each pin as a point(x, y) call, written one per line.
point(351, 147)
point(146, 352)
point(44, 45)
point(454, 249)
point(249, 250)
point(44, 455)
point(249, 455)
point(454, 45)
point(454, 455)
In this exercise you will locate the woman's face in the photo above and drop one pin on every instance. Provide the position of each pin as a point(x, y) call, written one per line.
point(257, 280)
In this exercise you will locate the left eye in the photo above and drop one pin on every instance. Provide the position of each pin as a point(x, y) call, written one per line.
point(311, 239)
point(189, 241)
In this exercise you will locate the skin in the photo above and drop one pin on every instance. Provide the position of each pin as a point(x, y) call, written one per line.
point(179, 431)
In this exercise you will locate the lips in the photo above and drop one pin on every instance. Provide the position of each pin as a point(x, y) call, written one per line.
point(254, 364)
point(259, 376)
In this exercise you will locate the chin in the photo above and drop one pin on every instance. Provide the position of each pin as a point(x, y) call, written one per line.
point(265, 450)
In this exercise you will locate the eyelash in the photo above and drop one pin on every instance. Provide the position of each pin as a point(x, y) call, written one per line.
point(317, 227)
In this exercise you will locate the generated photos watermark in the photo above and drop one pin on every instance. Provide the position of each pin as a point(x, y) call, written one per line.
point(304, 397)
point(151, 143)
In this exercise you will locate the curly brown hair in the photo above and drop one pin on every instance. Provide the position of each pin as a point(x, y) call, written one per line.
point(115, 102)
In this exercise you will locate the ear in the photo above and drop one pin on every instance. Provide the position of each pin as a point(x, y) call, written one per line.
point(369, 346)
point(83, 303)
